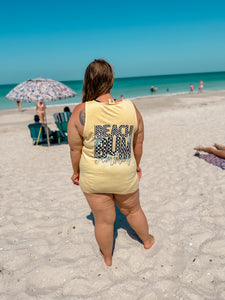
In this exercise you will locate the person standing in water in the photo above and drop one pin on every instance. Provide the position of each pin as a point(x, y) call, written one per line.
point(200, 86)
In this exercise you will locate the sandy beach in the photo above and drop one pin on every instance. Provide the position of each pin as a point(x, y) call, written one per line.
point(48, 249)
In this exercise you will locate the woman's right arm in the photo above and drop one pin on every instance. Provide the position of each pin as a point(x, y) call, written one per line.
point(138, 142)
point(75, 141)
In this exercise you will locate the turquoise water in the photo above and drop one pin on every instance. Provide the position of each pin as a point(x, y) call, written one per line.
point(133, 87)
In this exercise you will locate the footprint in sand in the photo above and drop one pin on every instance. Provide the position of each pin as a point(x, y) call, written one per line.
point(214, 247)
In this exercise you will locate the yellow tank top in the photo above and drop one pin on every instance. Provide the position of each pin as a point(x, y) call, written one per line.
point(107, 162)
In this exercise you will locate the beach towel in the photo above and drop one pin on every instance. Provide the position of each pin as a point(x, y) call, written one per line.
point(212, 159)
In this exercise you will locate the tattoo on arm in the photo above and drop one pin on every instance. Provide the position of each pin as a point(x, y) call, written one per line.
point(82, 117)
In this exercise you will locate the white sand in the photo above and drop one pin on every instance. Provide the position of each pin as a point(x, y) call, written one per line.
point(47, 247)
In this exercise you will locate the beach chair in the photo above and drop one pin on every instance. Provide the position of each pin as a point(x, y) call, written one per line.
point(36, 133)
point(61, 121)
point(40, 135)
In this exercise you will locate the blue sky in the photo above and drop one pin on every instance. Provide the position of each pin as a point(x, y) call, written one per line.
point(58, 39)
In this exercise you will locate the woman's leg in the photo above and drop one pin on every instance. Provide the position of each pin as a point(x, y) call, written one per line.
point(19, 104)
point(219, 147)
point(219, 153)
point(41, 115)
point(130, 206)
point(103, 208)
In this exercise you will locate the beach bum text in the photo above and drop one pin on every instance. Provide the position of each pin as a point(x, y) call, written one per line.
point(113, 143)
point(110, 161)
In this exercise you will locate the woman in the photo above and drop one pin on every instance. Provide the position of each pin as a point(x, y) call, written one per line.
point(40, 108)
point(219, 151)
point(200, 86)
point(106, 137)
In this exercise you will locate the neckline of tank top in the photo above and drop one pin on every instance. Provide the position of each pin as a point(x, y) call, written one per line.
point(105, 102)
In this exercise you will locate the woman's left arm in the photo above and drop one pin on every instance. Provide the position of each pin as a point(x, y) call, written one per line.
point(138, 142)
point(76, 143)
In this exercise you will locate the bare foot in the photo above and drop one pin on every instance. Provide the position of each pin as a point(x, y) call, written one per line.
point(149, 243)
point(218, 147)
point(199, 148)
point(205, 149)
point(108, 261)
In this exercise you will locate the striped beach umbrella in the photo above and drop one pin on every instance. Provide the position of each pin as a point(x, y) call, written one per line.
point(40, 89)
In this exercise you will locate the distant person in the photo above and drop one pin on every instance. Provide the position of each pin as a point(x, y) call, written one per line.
point(191, 87)
point(200, 86)
point(219, 151)
point(153, 89)
point(63, 116)
point(167, 89)
point(121, 97)
point(36, 119)
point(67, 114)
point(66, 109)
point(19, 105)
point(45, 128)
point(40, 108)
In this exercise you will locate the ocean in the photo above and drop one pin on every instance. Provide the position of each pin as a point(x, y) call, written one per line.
point(133, 87)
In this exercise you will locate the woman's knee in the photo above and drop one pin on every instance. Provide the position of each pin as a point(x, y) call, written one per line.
point(128, 204)
point(130, 210)
point(104, 212)
point(110, 219)
point(105, 217)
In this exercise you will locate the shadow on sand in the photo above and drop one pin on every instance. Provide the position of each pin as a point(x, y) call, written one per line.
point(52, 144)
point(120, 222)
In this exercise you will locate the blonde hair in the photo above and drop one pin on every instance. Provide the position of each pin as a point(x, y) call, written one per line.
point(98, 80)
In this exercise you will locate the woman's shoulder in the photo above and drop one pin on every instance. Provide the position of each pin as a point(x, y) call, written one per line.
point(79, 107)
point(127, 102)
point(78, 116)
point(76, 111)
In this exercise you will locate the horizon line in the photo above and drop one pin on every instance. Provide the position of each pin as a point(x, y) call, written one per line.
point(170, 74)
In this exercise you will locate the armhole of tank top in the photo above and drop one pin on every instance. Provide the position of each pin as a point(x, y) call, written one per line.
point(135, 113)
point(85, 110)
